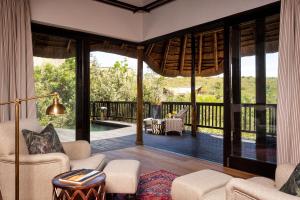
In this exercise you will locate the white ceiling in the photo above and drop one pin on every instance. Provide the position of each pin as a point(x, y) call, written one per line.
point(138, 3)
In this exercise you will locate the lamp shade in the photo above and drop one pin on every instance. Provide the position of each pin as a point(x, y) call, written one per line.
point(56, 108)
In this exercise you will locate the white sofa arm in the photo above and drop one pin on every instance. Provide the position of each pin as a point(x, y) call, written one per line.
point(36, 173)
point(77, 150)
point(240, 189)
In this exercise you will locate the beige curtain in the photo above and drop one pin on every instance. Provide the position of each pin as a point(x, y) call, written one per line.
point(16, 59)
point(288, 130)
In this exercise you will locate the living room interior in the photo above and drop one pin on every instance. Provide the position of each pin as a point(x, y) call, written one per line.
point(149, 99)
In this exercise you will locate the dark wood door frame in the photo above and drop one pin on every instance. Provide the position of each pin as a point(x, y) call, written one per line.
point(227, 97)
point(236, 90)
point(260, 80)
point(232, 135)
point(82, 90)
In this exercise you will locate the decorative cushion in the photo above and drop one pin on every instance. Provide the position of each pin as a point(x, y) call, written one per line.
point(292, 186)
point(47, 141)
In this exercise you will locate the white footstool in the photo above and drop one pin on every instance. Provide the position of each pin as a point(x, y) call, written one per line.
point(194, 186)
point(122, 176)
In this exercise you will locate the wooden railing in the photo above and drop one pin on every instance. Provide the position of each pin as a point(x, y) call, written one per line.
point(118, 110)
point(248, 117)
point(209, 115)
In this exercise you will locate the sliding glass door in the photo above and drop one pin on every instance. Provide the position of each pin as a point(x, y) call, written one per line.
point(254, 64)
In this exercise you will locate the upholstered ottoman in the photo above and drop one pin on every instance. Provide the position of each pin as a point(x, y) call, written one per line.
point(196, 185)
point(122, 176)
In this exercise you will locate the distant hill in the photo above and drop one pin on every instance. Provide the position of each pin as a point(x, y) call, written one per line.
point(212, 88)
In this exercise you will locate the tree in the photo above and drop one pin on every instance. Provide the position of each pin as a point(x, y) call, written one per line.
point(50, 78)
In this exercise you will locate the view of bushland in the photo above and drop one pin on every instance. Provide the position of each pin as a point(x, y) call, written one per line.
point(118, 83)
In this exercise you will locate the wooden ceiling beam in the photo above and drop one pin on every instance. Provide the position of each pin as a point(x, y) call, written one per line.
point(200, 53)
point(149, 49)
point(216, 51)
point(182, 53)
point(165, 58)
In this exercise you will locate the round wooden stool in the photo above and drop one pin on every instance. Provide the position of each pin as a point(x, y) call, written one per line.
point(93, 189)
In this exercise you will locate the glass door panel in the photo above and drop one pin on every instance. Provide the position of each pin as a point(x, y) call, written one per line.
point(254, 64)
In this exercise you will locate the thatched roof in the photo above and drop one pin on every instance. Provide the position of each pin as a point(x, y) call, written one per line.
point(170, 57)
point(173, 57)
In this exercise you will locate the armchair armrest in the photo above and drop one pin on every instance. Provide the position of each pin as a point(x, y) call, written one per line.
point(77, 150)
point(240, 189)
point(36, 173)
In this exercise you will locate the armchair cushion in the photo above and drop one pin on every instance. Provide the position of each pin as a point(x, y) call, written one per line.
point(7, 131)
point(47, 141)
point(96, 161)
point(77, 150)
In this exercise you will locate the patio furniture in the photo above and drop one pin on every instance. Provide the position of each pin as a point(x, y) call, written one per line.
point(173, 125)
point(94, 188)
point(37, 171)
point(122, 176)
point(182, 113)
point(147, 124)
point(158, 126)
point(164, 126)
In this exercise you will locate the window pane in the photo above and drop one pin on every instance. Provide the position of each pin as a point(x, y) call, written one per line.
point(55, 71)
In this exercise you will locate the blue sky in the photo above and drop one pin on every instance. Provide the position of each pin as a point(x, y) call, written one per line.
point(247, 63)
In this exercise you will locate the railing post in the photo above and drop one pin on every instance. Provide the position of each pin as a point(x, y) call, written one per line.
point(108, 110)
point(94, 110)
point(149, 109)
point(131, 112)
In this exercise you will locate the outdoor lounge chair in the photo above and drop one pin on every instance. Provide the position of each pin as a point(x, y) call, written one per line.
point(182, 113)
point(175, 124)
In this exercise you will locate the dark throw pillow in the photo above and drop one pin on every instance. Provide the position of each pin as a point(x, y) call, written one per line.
point(47, 141)
point(292, 186)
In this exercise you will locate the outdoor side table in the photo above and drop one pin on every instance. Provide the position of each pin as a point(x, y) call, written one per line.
point(158, 126)
point(93, 189)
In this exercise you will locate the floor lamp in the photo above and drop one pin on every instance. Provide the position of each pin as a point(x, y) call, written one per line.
point(54, 109)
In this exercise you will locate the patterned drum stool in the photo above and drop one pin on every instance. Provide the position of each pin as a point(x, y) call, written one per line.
point(94, 189)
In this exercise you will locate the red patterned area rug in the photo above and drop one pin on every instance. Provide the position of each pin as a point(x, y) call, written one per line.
point(155, 186)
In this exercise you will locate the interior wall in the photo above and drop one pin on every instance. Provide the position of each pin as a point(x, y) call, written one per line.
point(102, 19)
point(89, 16)
point(182, 14)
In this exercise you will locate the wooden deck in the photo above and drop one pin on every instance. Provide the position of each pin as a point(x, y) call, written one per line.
point(203, 146)
point(153, 159)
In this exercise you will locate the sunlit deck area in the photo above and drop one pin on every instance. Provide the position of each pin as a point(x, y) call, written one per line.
point(206, 146)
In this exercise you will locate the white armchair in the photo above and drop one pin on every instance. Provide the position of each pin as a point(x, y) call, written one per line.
point(259, 188)
point(37, 171)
